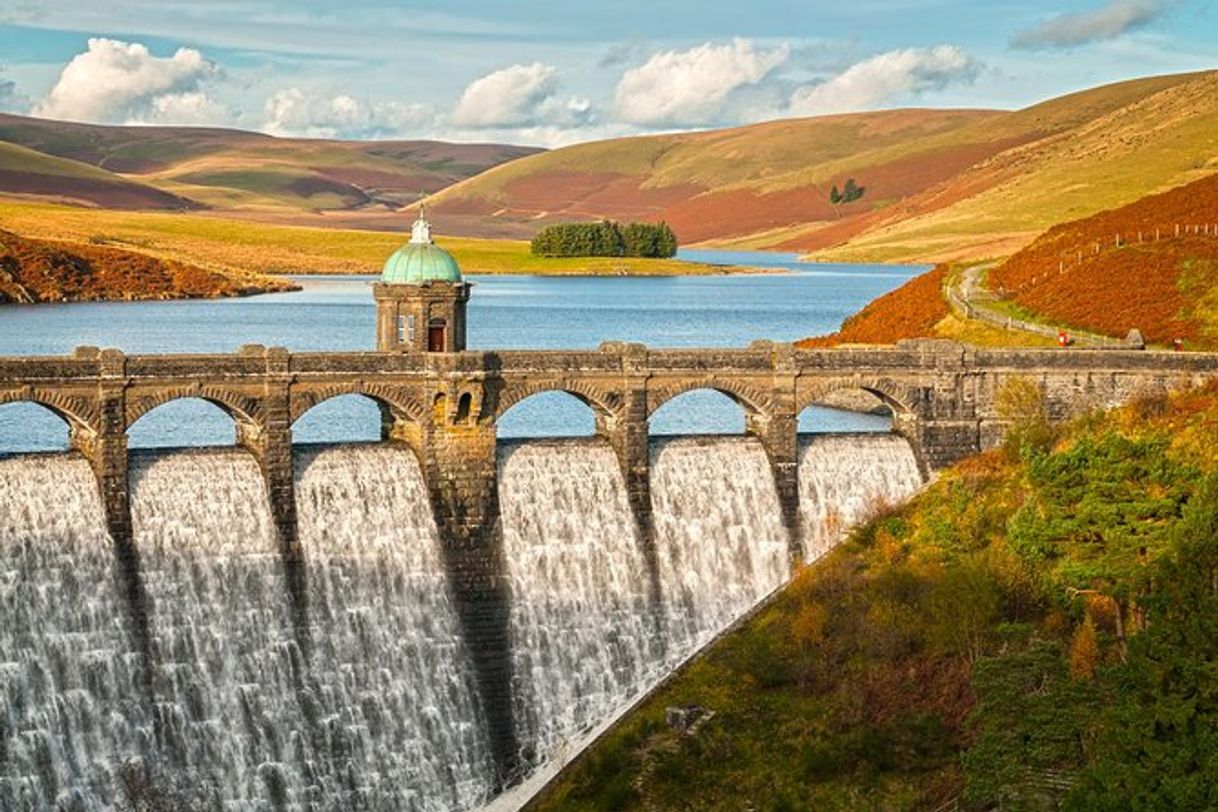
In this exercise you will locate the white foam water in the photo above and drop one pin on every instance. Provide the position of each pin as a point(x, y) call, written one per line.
point(844, 478)
point(390, 677)
point(384, 713)
point(225, 662)
point(71, 710)
point(720, 540)
point(584, 639)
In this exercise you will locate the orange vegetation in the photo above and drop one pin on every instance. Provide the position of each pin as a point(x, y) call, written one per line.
point(1156, 281)
point(910, 311)
point(40, 271)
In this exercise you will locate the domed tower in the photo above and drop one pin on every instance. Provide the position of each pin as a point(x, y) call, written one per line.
point(421, 298)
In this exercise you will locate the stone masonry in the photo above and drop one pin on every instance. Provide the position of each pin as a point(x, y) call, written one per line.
point(445, 407)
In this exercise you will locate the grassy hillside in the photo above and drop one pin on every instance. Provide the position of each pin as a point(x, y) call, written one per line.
point(939, 184)
point(243, 171)
point(1143, 265)
point(1036, 630)
point(235, 246)
point(919, 309)
point(28, 172)
point(40, 271)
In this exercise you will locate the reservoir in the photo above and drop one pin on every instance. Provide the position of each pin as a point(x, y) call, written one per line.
point(794, 300)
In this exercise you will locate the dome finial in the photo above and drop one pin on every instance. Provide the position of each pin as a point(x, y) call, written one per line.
point(420, 232)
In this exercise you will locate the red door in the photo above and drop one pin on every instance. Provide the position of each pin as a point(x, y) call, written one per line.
point(435, 339)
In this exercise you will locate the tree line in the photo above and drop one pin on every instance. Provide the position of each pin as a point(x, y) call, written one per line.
point(605, 239)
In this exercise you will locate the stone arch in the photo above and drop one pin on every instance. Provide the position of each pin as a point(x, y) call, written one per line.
point(79, 413)
point(893, 394)
point(604, 405)
point(244, 410)
point(754, 402)
point(398, 402)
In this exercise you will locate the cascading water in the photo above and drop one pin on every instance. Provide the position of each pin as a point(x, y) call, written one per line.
point(385, 714)
point(226, 667)
point(845, 477)
point(72, 713)
point(720, 539)
point(391, 678)
point(583, 633)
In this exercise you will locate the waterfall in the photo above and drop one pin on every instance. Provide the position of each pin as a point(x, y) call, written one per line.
point(384, 713)
point(72, 712)
point(225, 663)
point(583, 633)
point(720, 539)
point(392, 682)
point(845, 477)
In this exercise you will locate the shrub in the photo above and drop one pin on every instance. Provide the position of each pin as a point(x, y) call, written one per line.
point(605, 239)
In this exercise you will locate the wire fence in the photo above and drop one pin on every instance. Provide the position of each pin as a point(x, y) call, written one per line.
point(1099, 246)
point(965, 300)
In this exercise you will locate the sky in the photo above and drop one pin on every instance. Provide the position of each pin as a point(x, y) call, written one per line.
point(554, 72)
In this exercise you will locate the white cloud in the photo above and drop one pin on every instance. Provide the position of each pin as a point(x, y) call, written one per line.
point(881, 78)
point(695, 86)
point(516, 96)
point(122, 82)
point(292, 111)
point(1111, 20)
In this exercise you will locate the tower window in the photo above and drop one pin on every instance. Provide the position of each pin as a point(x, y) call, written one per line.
point(401, 329)
point(410, 327)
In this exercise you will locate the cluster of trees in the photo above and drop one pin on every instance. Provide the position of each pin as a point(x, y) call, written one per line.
point(605, 239)
point(848, 194)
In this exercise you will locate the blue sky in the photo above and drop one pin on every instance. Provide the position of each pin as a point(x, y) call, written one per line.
point(549, 72)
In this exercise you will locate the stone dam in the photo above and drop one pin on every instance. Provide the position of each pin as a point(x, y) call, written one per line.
point(424, 622)
point(418, 623)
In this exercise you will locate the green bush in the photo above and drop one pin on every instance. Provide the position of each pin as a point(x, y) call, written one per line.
point(605, 239)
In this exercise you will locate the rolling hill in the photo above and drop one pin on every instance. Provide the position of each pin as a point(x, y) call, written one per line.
point(234, 171)
point(939, 184)
point(1152, 265)
point(27, 172)
point(34, 271)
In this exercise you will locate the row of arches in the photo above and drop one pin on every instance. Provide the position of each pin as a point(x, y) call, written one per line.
point(190, 420)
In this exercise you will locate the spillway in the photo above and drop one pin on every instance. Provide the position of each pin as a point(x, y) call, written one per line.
point(373, 702)
point(225, 662)
point(720, 541)
point(391, 683)
point(584, 636)
point(845, 478)
point(73, 711)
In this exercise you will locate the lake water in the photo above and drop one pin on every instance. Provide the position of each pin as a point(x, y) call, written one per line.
point(505, 312)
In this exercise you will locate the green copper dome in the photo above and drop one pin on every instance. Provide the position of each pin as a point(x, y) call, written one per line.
point(420, 260)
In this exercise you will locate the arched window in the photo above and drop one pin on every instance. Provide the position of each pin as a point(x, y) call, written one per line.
point(464, 404)
point(846, 411)
point(183, 422)
point(27, 427)
point(547, 414)
point(341, 419)
point(699, 411)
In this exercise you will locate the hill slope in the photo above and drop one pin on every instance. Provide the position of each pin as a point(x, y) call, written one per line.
point(244, 171)
point(939, 184)
point(1161, 278)
point(27, 172)
point(1036, 630)
point(42, 271)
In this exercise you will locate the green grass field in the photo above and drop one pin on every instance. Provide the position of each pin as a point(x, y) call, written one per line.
point(233, 245)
